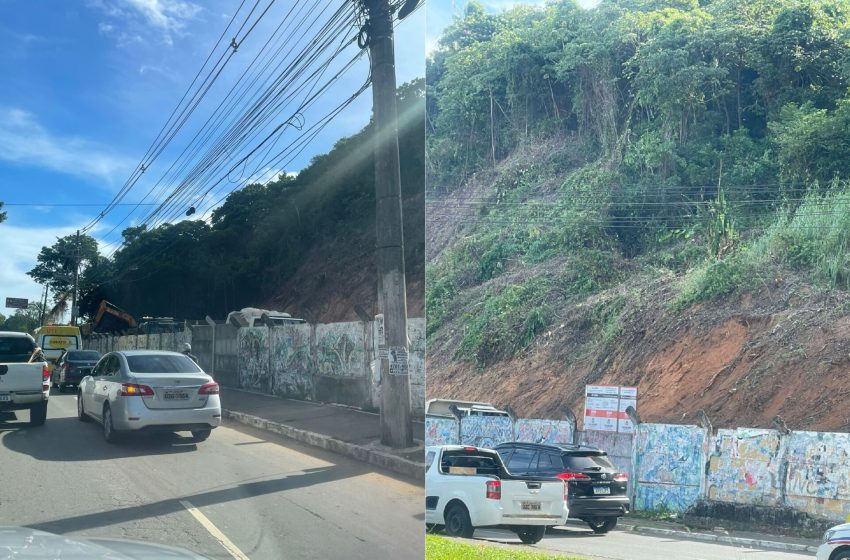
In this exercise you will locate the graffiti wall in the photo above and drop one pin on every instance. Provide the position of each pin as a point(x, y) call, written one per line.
point(744, 467)
point(291, 361)
point(416, 335)
point(440, 431)
point(617, 445)
point(253, 347)
point(486, 431)
point(543, 431)
point(669, 466)
point(818, 478)
point(340, 350)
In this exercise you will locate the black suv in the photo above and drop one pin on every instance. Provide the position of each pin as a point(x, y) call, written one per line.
point(597, 492)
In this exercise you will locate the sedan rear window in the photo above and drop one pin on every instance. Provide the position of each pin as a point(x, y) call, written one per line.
point(83, 355)
point(587, 461)
point(162, 363)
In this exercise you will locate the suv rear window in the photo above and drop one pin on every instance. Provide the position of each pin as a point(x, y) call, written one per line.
point(586, 461)
point(16, 349)
point(162, 363)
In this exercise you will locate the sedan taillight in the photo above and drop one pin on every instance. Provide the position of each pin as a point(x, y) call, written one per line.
point(209, 389)
point(621, 477)
point(134, 390)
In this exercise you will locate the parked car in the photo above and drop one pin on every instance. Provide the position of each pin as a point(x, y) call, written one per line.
point(24, 376)
point(149, 390)
point(73, 366)
point(836, 543)
point(469, 487)
point(597, 492)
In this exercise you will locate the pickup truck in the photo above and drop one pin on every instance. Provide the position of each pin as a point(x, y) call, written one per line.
point(24, 376)
point(469, 487)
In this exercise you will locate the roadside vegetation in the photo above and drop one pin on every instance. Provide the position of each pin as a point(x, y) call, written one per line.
point(441, 548)
point(574, 151)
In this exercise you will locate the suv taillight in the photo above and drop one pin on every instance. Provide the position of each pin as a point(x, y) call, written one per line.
point(133, 390)
point(621, 477)
point(209, 389)
point(494, 489)
point(573, 476)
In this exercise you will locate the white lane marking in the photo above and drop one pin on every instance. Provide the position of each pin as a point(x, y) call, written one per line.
point(214, 531)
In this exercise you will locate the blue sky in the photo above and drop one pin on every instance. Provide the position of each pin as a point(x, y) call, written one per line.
point(87, 86)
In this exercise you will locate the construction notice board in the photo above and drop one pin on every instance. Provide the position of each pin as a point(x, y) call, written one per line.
point(605, 408)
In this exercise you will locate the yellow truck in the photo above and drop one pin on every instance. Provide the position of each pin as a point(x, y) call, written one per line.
point(52, 339)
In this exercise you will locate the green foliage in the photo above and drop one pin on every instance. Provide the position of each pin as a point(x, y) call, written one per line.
point(2, 214)
point(24, 320)
point(714, 279)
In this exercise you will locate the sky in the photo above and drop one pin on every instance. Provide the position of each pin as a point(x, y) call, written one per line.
point(89, 84)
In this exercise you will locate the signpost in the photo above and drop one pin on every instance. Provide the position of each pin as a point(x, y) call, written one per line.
point(16, 303)
point(605, 408)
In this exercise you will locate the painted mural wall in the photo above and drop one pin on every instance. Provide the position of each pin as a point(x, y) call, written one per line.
point(543, 431)
point(818, 477)
point(744, 467)
point(669, 466)
point(292, 361)
point(341, 350)
point(416, 335)
point(486, 431)
point(440, 431)
point(253, 356)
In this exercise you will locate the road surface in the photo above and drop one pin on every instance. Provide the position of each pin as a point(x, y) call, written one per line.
point(263, 496)
point(576, 539)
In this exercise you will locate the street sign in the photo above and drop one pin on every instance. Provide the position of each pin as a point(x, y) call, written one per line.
point(605, 408)
point(16, 303)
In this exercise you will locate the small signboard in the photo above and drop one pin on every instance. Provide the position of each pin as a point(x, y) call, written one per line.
point(16, 303)
point(605, 408)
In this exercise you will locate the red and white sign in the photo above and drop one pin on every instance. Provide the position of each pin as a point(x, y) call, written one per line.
point(605, 408)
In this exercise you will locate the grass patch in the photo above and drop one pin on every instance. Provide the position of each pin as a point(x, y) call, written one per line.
point(715, 279)
point(441, 548)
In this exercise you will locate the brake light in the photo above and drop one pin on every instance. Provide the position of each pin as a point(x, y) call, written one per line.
point(133, 390)
point(573, 476)
point(621, 477)
point(45, 373)
point(470, 449)
point(494, 489)
point(209, 389)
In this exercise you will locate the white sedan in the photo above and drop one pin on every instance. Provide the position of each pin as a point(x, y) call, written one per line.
point(836, 543)
point(149, 390)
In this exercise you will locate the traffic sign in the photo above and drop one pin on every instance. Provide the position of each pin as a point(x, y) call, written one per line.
point(16, 303)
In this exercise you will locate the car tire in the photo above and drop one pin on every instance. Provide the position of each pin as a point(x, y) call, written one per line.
point(201, 435)
point(843, 555)
point(81, 414)
point(531, 534)
point(602, 525)
point(458, 523)
point(38, 414)
point(109, 433)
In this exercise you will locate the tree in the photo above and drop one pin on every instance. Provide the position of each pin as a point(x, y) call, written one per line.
point(56, 263)
point(24, 320)
point(2, 214)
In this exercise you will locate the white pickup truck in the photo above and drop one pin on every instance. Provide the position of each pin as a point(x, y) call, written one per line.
point(24, 376)
point(469, 487)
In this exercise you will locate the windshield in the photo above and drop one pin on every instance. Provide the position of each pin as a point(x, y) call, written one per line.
point(162, 363)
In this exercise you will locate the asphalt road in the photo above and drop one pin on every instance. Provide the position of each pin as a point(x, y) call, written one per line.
point(627, 545)
point(271, 498)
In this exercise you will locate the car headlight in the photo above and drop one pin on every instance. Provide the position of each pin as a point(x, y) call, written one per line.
point(828, 535)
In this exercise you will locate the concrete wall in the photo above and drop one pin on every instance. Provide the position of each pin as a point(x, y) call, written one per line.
point(441, 431)
point(486, 431)
point(325, 362)
point(544, 431)
point(818, 479)
point(745, 467)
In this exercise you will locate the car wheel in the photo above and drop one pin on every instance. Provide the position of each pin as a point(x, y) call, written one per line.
point(201, 435)
point(530, 534)
point(81, 414)
point(38, 414)
point(602, 525)
point(458, 523)
point(109, 433)
point(843, 555)
point(434, 529)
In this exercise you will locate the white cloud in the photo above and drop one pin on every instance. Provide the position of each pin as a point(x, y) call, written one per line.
point(105, 28)
point(133, 17)
point(21, 245)
point(24, 141)
point(169, 15)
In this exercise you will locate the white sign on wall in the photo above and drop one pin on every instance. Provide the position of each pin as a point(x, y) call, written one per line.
point(605, 408)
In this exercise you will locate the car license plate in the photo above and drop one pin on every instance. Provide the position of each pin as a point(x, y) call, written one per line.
point(531, 506)
point(5, 398)
point(601, 490)
point(175, 395)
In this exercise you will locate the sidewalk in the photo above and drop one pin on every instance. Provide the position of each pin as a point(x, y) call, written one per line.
point(719, 535)
point(336, 428)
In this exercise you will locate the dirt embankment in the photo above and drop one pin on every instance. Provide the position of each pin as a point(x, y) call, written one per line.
point(784, 350)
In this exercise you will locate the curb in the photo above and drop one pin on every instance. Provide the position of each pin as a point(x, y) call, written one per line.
point(387, 461)
point(723, 539)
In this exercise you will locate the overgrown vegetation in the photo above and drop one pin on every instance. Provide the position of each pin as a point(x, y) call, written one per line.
point(440, 548)
point(705, 138)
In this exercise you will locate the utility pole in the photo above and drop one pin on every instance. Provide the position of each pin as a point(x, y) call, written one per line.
point(392, 288)
point(44, 305)
point(76, 278)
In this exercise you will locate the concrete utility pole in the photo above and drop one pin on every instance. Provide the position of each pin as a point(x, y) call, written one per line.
point(396, 429)
point(76, 278)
